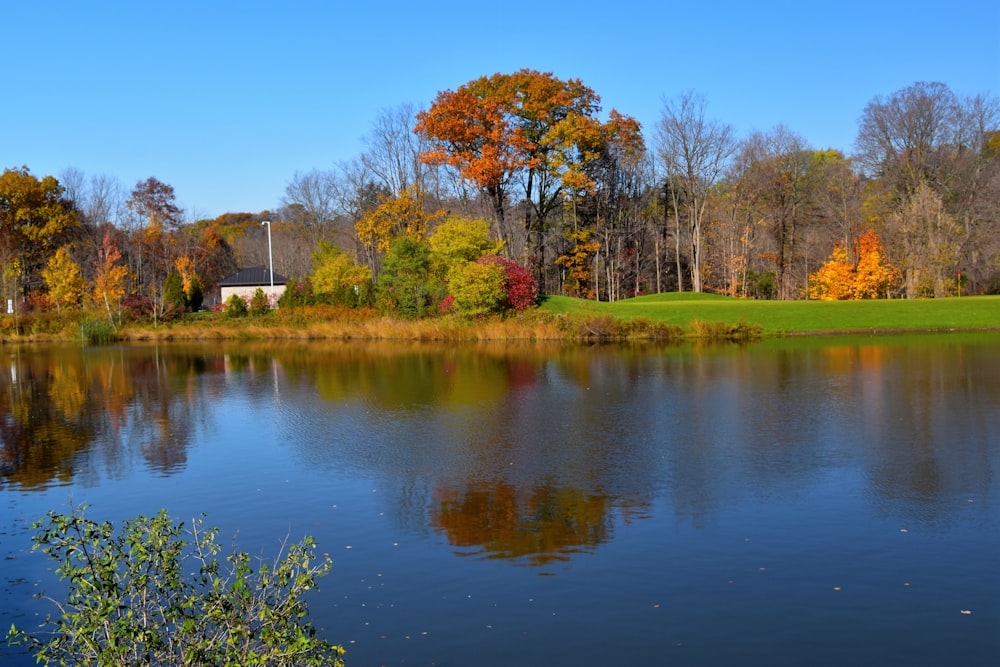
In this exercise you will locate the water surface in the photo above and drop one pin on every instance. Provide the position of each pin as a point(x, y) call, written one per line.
point(792, 502)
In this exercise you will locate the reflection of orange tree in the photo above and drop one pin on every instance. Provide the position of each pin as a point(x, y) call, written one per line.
point(546, 526)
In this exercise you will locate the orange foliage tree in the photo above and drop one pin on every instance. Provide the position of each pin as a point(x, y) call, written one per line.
point(839, 278)
point(528, 127)
point(109, 282)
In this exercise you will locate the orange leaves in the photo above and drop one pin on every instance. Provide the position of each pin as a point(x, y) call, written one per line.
point(873, 275)
point(834, 281)
point(109, 283)
point(472, 131)
point(185, 267)
point(493, 127)
point(839, 279)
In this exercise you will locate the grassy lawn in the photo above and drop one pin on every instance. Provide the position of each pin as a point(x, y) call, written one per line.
point(791, 317)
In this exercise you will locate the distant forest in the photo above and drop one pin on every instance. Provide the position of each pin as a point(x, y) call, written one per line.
point(591, 203)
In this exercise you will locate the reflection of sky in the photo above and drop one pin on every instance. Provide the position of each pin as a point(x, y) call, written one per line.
point(722, 479)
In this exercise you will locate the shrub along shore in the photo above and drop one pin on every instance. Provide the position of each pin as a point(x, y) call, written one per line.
point(668, 317)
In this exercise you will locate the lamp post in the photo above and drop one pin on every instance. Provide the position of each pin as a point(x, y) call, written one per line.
point(270, 257)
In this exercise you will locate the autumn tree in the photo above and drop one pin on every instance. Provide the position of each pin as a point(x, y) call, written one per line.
point(191, 285)
point(35, 219)
point(617, 204)
point(477, 288)
point(925, 239)
point(99, 202)
point(394, 216)
point(526, 129)
point(520, 288)
point(153, 202)
point(336, 278)
point(458, 239)
point(834, 281)
point(874, 276)
point(208, 244)
point(577, 263)
point(787, 204)
point(109, 283)
point(871, 277)
point(62, 277)
point(471, 130)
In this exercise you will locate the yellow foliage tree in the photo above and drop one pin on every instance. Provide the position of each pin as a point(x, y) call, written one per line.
point(834, 281)
point(839, 279)
point(185, 267)
point(404, 214)
point(334, 271)
point(62, 276)
point(577, 262)
point(459, 239)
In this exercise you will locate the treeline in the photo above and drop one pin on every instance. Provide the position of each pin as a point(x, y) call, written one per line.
point(595, 206)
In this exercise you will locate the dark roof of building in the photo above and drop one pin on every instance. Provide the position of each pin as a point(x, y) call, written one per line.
point(252, 276)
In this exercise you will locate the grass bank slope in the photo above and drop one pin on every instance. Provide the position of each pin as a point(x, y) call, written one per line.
point(798, 317)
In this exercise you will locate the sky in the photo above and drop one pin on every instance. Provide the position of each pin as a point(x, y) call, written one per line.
point(226, 101)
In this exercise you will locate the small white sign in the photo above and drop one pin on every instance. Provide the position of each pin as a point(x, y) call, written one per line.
point(10, 306)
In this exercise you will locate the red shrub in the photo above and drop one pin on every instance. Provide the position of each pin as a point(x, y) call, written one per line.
point(522, 290)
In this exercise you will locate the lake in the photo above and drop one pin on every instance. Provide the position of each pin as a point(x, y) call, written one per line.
point(815, 501)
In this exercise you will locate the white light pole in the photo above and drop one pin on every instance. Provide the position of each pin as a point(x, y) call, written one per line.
point(270, 257)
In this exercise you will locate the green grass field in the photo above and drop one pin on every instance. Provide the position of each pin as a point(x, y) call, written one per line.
point(798, 317)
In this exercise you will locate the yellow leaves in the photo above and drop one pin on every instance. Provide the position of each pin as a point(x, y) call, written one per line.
point(33, 216)
point(333, 270)
point(404, 214)
point(459, 239)
point(62, 277)
point(495, 126)
point(870, 278)
point(834, 280)
point(577, 261)
point(185, 267)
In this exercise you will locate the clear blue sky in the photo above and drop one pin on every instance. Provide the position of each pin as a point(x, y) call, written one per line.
point(225, 101)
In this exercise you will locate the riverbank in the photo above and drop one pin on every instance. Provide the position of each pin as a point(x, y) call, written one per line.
point(656, 317)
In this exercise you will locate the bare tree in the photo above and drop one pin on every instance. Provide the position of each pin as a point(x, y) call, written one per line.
point(315, 195)
point(393, 150)
point(900, 135)
point(925, 136)
point(694, 151)
point(99, 203)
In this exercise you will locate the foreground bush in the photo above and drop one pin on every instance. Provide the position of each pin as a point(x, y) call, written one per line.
point(156, 594)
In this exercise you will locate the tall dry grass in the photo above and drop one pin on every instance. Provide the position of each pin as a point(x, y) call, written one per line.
point(341, 323)
point(329, 323)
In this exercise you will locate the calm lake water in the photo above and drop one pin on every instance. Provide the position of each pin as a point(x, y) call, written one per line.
point(796, 502)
